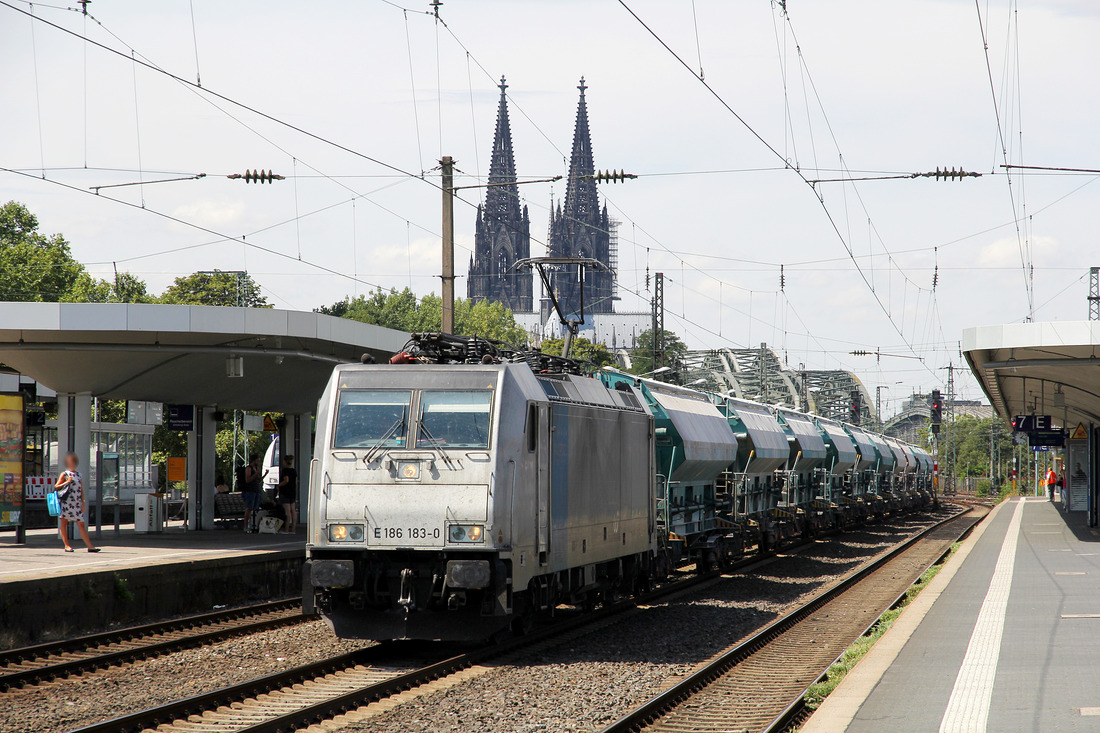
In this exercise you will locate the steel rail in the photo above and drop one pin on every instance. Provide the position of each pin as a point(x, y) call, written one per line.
point(797, 711)
point(326, 709)
point(88, 643)
point(664, 702)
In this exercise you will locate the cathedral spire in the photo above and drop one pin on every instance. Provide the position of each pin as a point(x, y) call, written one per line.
point(580, 229)
point(502, 201)
point(503, 230)
point(580, 194)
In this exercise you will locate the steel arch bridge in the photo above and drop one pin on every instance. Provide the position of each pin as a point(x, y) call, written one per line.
point(760, 375)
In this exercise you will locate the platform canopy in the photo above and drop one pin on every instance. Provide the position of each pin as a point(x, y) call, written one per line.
point(1041, 368)
point(183, 354)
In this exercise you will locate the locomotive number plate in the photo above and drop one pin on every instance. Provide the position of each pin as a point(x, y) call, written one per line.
point(403, 533)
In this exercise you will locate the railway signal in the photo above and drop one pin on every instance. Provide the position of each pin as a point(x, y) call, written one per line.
point(937, 411)
point(855, 409)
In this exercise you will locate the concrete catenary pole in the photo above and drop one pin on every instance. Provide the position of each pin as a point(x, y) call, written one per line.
point(448, 322)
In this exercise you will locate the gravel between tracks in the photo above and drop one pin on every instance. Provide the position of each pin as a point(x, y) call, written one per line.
point(591, 681)
point(78, 701)
point(579, 685)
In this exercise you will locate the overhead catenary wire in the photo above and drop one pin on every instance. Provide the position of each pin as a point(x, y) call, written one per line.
point(1004, 154)
point(37, 96)
point(752, 131)
point(193, 88)
point(225, 98)
point(612, 203)
point(221, 235)
point(412, 85)
point(137, 128)
point(194, 42)
point(606, 198)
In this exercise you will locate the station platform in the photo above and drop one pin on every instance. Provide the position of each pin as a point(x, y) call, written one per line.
point(1005, 638)
point(43, 554)
point(46, 592)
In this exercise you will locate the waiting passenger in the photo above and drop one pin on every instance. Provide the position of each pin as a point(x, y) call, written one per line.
point(70, 490)
point(220, 485)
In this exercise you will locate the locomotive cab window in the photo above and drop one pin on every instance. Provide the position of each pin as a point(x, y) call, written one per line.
point(372, 418)
point(454, 419)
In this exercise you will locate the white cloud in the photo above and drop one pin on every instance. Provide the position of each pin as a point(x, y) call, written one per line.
point(1005, 252)
point(213, 214)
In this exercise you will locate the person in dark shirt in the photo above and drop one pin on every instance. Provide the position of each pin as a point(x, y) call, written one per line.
point(288, 493)
point(251, 491)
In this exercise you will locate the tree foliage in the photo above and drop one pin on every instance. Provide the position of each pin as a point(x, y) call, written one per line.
point(403, 311)
point(37, 267)
point(126, 288)
point(33, 266)
point(597, 355)
point(967, 439)
point(672, 354)
point(215, 288)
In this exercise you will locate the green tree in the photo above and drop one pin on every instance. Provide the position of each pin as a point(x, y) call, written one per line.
point(126, 288)
point(33, 266)
point(215, 288)
point(672, 354)
point(597, 355)
point(403, 311)
point(487, 319)
point(967, 439)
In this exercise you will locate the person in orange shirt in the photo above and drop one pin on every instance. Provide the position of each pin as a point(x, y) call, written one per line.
point(1052, 479)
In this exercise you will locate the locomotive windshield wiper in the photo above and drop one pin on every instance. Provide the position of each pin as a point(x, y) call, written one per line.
point(385, 436)
point(434, 442)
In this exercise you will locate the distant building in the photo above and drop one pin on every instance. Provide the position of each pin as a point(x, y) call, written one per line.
point(503, 233)
point(614, 330)
point(581, 228)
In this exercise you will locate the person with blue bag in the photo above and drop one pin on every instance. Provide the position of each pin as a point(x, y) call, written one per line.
point(69, 492)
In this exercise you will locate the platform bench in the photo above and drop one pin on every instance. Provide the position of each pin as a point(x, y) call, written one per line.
point(228, 507)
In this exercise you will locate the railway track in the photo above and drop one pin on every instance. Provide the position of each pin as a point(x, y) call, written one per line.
point(58, 659)
point(297, 698)
point(758, 684)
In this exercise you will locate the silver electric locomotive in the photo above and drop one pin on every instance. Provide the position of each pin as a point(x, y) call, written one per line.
point(448, 503)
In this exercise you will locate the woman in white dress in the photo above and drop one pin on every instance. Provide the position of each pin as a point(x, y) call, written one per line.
point(72, 503)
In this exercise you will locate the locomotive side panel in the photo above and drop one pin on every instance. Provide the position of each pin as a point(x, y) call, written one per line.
point(600, 485)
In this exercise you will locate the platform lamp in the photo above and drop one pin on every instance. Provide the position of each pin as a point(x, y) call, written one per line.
point(234, 366)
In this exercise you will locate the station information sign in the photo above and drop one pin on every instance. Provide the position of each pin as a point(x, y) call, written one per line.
point(1031, 423)
point(1046, 439)
point(179, 417)
point(12, 443)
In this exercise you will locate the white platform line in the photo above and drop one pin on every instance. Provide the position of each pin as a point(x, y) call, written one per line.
point(968, 709)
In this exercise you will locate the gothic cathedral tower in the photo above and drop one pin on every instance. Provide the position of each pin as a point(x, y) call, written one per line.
point(503, 233)
point(582, 229)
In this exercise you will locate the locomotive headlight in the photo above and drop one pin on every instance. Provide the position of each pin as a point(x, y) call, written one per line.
point(466, 533)
point(345, 532)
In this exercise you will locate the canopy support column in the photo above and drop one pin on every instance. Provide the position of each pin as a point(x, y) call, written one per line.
point(201, 456)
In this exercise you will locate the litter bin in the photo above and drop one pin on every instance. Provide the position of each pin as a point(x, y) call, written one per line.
point(148, 513)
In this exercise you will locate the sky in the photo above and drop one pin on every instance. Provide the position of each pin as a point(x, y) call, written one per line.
point(355, 102)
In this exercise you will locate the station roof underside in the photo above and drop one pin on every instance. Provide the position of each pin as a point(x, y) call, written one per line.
point(178, 354)
point(1022, 366)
